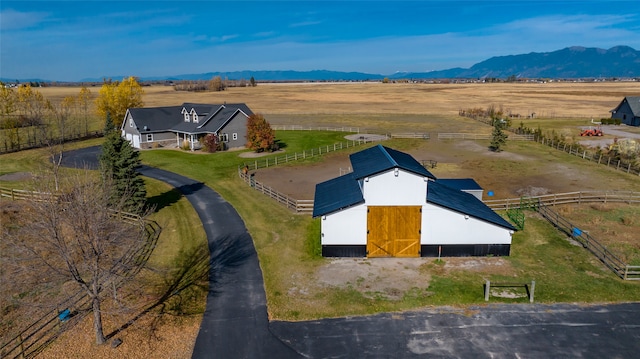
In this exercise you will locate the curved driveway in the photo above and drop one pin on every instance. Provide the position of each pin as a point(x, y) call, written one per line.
point(236, 324)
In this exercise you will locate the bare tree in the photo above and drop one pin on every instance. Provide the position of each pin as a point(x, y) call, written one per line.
point(81, 236)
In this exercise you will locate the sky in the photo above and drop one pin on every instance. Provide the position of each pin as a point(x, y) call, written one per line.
point(76, 40)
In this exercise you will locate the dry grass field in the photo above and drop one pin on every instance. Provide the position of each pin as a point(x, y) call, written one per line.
point(380, 107)
point(555, 99)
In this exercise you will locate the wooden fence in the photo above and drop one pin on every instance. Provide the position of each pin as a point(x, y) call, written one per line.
point(599, 158)
point(424, 136)
point(35, 337)
point(565, 198)
point(617, 265)
point(480, 136)
point(299, 156)
point(298, 205)
point(311, 128)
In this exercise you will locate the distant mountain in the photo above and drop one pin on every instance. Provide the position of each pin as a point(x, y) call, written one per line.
point(568, 63)
point(571, 62)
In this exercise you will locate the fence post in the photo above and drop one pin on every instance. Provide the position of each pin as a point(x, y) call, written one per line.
point(533, 289)
point(487, 287)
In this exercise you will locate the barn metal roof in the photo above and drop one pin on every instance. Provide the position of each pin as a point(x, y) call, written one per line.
point(463, 202)
point(336, 194)
point(379, 159)
point(462, 184)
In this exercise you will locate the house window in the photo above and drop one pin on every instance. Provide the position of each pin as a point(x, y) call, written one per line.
point(234, 136)
point(130, 122)
point(186, 117)
point(194, 115)
point(149, 137)
point(224, 137)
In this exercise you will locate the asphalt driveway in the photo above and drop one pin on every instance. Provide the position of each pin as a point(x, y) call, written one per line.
point(236, 324)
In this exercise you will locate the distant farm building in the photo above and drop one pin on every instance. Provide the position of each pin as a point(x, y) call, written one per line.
point(628, 111)
point(189, 123)
point(391, 206)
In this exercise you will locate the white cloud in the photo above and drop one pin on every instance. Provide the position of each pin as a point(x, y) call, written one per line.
point(17, 20)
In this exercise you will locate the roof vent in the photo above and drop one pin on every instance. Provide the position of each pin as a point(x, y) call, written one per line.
point(146, 128)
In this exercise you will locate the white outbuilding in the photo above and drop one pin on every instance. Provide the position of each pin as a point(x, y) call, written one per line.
point(391, 206)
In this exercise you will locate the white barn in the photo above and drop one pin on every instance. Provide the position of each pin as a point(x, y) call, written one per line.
point(391, 206)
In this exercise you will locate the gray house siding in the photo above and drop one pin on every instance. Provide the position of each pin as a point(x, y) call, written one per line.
point(237, 126)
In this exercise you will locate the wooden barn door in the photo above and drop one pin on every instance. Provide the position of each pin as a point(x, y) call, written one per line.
point(393, 231)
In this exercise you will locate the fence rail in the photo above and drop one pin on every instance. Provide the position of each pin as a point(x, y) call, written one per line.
point(480, 136)
point(611, 260)
point(424, 136)
point(311, 128)
point(299, 156)
point(566, 198)
point(298, 205)
point(598, 157)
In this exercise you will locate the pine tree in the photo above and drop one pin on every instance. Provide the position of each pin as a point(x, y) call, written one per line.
point(118, 163)
point(498, 137)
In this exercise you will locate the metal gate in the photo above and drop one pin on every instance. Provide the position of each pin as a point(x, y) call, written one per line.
point(393, 231)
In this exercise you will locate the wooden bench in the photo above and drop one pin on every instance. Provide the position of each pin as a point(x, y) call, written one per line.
point(529, 287)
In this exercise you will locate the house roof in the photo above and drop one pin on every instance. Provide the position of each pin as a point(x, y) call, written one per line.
point(461, 184)
point(634, 104)
point(211, 117)
point(379, 159)
point(336, 194)
point(463, 202)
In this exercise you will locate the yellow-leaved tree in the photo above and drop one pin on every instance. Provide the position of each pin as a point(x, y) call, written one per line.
point(115, 98)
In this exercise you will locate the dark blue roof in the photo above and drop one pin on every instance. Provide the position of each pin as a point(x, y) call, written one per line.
point(462, 184)
point(379, 159)
point(336, 194)
point(463, 202)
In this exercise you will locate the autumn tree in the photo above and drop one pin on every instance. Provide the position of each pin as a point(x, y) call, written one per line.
point(84, 101)
point(211, 142)
point(119, 162)
point(76, 236)
point(260, 136)
point(216, 84)
point(116, 97)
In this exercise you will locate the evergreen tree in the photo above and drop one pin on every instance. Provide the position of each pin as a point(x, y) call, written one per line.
point(118, 164)
point(109, 127)
point(498, 137)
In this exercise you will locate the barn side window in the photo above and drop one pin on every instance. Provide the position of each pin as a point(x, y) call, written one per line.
point(224, 137)
point(234, 136)
point(149, 137)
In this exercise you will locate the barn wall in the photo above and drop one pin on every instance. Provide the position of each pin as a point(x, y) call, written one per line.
point(443, 226)
point(347, 227)
point(625, 114)
point(407, 189)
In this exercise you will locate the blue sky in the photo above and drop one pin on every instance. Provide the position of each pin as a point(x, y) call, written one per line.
point(73, 40)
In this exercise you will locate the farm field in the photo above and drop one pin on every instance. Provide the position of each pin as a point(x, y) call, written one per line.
point(305, 287)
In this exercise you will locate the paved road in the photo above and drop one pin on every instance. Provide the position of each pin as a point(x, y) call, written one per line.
point(236, 325)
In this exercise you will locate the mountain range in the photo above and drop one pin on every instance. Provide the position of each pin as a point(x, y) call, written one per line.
point(569, 63)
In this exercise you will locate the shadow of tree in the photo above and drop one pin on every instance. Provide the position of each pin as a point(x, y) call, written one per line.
point(193, 270)
point(172, 196)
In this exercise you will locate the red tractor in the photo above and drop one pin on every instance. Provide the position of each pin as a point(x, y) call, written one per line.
point(591, 132)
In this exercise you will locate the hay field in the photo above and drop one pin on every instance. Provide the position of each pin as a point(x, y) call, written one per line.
point(565, 99)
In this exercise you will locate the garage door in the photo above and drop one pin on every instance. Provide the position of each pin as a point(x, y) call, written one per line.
point(393, 231)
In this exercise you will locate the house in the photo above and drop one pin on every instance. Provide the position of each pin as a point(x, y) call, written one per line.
point(187, 124)
point(391, 206)
point(628, 111)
